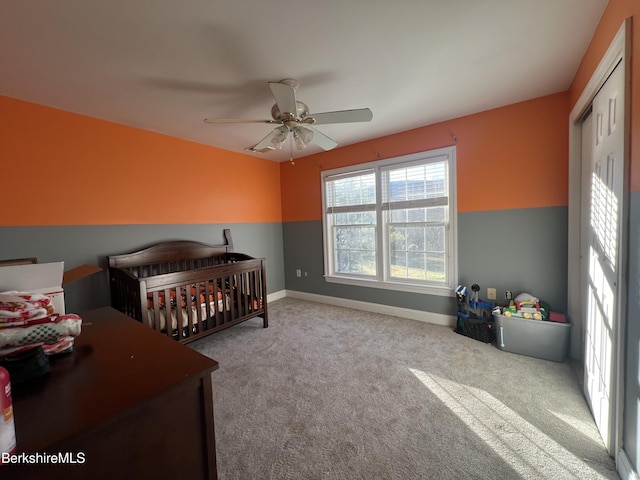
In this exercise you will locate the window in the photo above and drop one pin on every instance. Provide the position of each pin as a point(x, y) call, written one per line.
point(391, 223)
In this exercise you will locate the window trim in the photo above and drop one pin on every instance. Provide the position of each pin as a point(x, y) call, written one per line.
point(379, 280)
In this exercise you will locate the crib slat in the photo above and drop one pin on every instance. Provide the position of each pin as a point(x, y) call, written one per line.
point(245, 293)
point(168, 313)
point(157, 324)
point(237, 280)
point(252, 291)
point(220, 312)
point(218, 307)
point(187, 310)
point(201, 301)
point(207, 306)
point(232, 296)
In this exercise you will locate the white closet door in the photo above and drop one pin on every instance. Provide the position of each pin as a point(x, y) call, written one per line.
point(605, 186)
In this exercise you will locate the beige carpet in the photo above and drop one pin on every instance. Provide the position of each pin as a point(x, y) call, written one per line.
point(334, 393)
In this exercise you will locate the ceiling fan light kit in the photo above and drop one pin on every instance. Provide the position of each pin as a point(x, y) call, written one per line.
point(295, 121)
point(303, 136)
point(279, 136)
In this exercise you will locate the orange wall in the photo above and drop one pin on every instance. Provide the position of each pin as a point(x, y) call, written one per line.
point(59, 168)
point(510, 157)
point(613, 17)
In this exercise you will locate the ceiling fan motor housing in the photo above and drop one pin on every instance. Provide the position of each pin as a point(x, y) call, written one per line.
point(301, 111)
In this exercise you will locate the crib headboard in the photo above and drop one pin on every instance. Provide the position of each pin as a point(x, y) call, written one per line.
point(173, 251)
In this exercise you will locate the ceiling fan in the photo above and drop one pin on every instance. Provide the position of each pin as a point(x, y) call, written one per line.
point(295, 122)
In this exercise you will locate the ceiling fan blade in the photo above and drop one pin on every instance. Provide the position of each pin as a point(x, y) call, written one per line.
point(236, 120)
point(273, 140)
point(285, 96)
point(322, 140)
point(265, 142)
point(342, 116)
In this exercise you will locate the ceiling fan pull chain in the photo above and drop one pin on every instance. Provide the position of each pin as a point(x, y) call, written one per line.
point(291, 150)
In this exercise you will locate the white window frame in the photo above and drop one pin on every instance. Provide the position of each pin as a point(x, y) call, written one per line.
point(382, 279)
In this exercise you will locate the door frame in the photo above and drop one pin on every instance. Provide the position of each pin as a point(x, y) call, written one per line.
point(618, 53)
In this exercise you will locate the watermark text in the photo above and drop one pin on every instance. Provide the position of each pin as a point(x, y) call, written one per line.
point(44, 458)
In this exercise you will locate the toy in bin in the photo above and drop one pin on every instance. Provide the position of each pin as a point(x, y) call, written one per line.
point(475, 316)
point(526, 306)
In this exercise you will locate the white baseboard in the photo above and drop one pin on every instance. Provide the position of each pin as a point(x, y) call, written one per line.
point(428, 317)
point(272, 297)
point(625, 468)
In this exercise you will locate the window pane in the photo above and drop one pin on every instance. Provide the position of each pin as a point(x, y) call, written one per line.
point(424, 214)
point(435, 238)
point(417, 253)
point(436, 214)
point(355, 249)
point(417, 267)
point(398, 216)
point(356, 190)
point(397, 239)
point(417, 182)
point(415, 239)
point(436, 267)
point(356, 218)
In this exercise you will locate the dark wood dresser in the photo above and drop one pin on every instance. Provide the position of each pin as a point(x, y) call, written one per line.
point(128, 403)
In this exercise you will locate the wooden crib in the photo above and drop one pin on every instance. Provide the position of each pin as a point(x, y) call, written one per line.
point(187, 290)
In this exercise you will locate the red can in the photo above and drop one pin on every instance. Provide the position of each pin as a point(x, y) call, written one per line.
point(7, 426)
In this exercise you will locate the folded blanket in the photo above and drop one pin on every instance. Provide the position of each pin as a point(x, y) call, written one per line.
point(64, 345)
point(54, 329)
point(28, 320)
point(20, 306)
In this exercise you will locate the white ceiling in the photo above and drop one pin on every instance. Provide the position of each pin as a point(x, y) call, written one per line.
point(165, 65)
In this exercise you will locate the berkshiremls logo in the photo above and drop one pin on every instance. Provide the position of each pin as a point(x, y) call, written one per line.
point(29, 458)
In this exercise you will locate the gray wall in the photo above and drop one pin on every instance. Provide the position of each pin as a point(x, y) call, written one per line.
point(76, 245)
point(521, 250)
point(632, 354)
point(517, 250)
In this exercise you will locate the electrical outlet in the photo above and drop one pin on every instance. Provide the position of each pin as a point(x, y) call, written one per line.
point(298, 273)
point(491, 293)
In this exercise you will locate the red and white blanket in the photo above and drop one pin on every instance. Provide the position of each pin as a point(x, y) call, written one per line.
point(28, 320)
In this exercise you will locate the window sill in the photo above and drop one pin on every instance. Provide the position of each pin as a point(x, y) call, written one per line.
point(444, 291)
